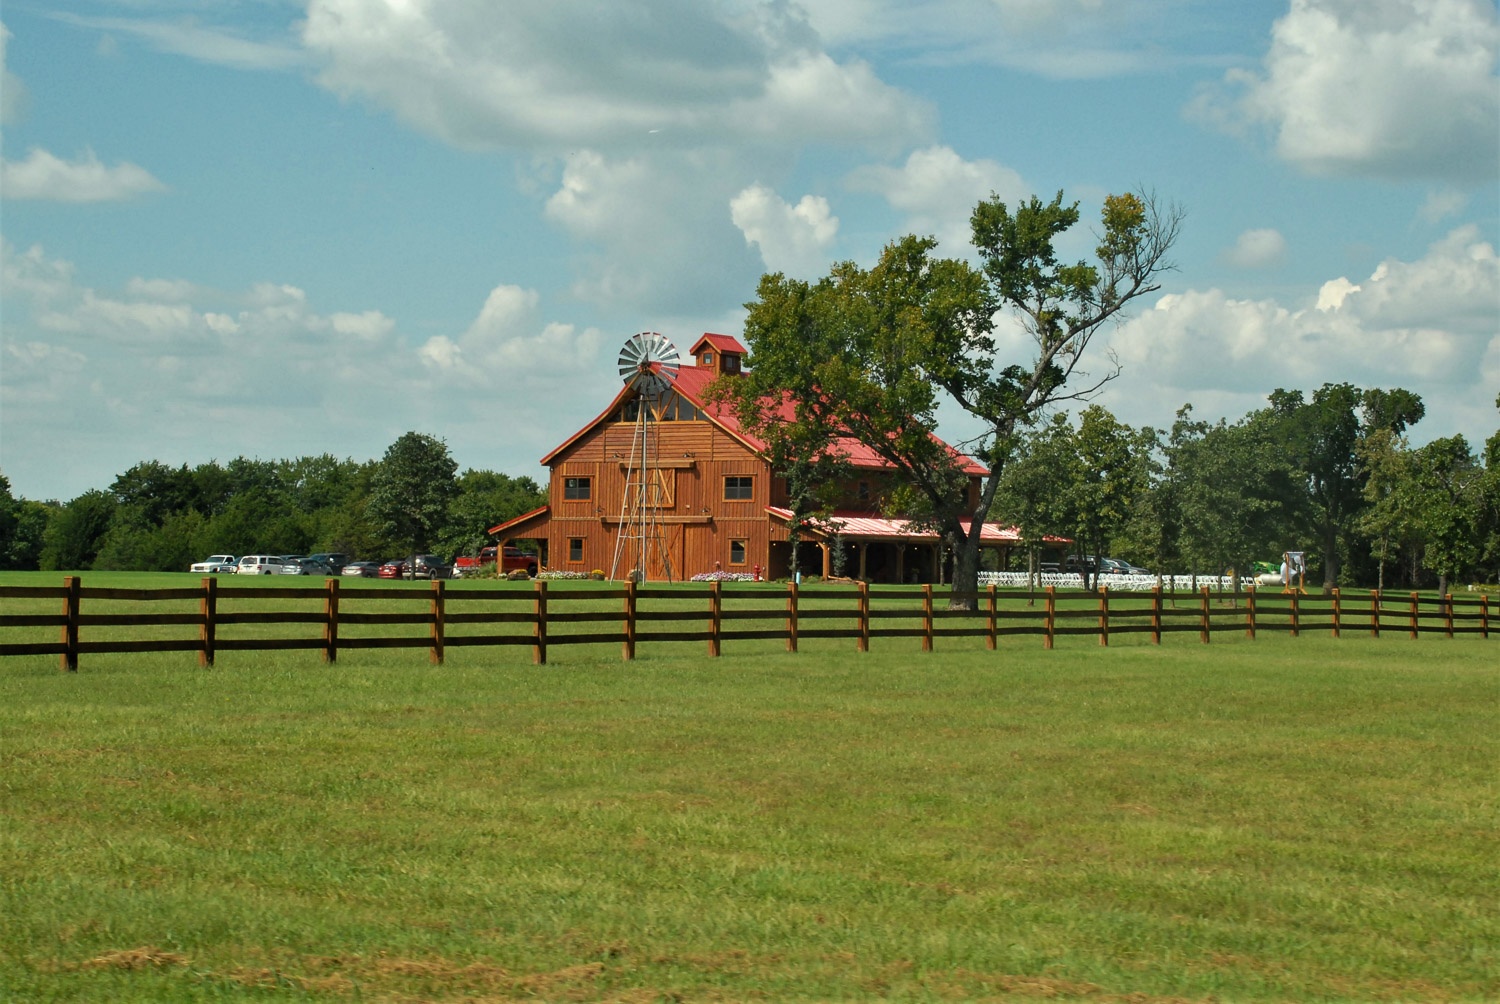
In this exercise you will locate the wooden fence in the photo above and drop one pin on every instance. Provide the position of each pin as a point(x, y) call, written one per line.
point(542, 619)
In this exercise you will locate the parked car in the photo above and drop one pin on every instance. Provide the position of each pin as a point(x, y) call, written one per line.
point(1079, 563)
point(217, 564)
point(427, 566)
point(361, 569)
point(511, 559)
point(306, 566)
point(1114, 566)
point(430, 566)
point(335, 560)
point(260, 564)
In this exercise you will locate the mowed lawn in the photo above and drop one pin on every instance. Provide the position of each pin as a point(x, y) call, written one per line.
point(1300, 819)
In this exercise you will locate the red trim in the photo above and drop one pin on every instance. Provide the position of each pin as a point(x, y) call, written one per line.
point(518, 520)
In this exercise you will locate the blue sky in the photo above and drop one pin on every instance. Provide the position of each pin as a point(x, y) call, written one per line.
point(275, 229)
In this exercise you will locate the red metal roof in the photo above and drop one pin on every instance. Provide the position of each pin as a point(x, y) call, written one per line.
point(862, 524)
point(692, 383)
point(524, 517)
point(724, 343)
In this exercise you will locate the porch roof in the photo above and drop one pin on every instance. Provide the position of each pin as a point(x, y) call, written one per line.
point(863, 524)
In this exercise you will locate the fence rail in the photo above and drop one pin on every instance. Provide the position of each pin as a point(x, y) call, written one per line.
point(519, 617)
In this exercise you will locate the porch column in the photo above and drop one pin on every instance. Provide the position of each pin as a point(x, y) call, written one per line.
point(937, 562)
point(827, 562)
point(900, 560)
point(862, 546)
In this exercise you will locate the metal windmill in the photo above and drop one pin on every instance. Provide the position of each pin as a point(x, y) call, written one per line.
point(649, 362)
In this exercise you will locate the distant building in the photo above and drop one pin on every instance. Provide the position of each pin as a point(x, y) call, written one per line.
point(718, 503)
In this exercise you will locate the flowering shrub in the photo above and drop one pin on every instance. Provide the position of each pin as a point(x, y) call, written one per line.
point(723, 577)
point(561, 575)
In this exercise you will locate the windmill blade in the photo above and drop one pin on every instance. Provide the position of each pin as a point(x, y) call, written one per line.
point(650, 361)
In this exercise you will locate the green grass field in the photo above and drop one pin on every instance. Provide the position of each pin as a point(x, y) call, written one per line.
point(1285, 820)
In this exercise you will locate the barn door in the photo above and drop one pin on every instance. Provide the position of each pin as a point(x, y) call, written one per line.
point(671, 538)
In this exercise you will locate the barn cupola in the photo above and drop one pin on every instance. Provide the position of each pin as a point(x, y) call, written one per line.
point(720, 353)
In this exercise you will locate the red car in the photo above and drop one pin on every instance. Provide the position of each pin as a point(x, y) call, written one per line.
point(428, 566)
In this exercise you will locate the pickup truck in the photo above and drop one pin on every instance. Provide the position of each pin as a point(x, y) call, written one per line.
point(512, 559)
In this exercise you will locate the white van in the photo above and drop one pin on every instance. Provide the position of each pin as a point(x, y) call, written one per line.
point(260, 564)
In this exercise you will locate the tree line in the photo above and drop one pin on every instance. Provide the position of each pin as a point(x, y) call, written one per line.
point(155, 517)
point(1331, 474)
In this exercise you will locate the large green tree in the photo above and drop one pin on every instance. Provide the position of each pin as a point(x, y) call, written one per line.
point(871, 354)
point(411, 491)
point(75, 533)
point(485, 499)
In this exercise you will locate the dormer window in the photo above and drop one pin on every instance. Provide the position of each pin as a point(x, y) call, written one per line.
point(707, 359)
point(731, 362)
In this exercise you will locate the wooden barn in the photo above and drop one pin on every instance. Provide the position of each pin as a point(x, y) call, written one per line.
point(715, 503)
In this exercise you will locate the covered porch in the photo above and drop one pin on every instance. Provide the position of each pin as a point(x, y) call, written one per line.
point(877, 549)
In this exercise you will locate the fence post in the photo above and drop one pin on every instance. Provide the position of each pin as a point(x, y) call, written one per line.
point(628, 648)
point(1296, 615)
point(1414, 616)
point(1203, 622)
point(863, 645)
point(994, 621)
point(209, 608)
point(1484, 616)
point(1374, 613)
point(1049, 627)
point(1104, 616)
point(1336, 611)
point(715, 615)
point(331, 621)
point(437, 620)
point(1448, 614)
point(1156, 613)
point(791, 616)
point(539, 632)
point(927, 617)
point(69, 659)
point(1250, 613)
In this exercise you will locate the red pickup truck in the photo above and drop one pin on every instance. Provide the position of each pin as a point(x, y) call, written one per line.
point(513, 558)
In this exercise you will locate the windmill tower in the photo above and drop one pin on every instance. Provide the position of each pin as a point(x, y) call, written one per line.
point(649, 362)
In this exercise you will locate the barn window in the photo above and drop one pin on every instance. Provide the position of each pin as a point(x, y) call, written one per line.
point(577, 489)
point(575, 548)
point(739, 488)
point(736, 552)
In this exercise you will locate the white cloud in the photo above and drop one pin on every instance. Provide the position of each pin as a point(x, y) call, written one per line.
point(43, 176)
point(665, 245)
point(507, 344)
point(1442, 203)
point(195, 40)
point(189, 373)
point(1430, 325)
point(1389, 88)
point(938, 190)
point(792, 239)
point(604, 74)
point(12, 92)
point(170, 290)
point(1257, 249)
point(1061, 39)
